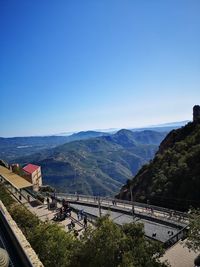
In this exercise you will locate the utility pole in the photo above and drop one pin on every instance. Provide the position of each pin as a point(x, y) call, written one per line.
point(75, 177)
point(131, 191)
point(99, 206)
point(75, 180)
point(55, 199)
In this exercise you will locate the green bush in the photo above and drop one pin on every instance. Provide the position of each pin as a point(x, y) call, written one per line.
point(5, 197)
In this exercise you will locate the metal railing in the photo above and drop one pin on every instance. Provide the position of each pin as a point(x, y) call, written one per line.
point(181, 235)
point(152, 211)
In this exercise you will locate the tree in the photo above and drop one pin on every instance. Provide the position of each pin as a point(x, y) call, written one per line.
point(24, 219)
point(109, 245)
point(100, 246)
point(193, 241)
point(138, 249)
point(53, 245)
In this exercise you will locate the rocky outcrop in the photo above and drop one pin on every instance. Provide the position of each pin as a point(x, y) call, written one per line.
point(196, 113)
point(172, 178)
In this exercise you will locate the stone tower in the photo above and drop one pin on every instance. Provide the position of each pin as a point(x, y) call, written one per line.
point(196, 113)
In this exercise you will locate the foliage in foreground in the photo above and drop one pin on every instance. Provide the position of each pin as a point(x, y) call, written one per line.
point(193, 241)
point(108, 245)
point(5, 197)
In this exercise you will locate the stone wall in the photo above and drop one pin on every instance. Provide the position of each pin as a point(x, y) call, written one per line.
point(33, 258)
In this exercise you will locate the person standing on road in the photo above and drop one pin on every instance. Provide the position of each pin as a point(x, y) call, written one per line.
point(85, 221)
point(48, 203)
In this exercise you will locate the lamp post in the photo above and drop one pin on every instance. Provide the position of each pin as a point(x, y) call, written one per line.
point(75, 180)
point(131, 191)
point(99, 206)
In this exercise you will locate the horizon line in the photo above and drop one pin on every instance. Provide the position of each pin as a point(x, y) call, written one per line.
point(107, 130)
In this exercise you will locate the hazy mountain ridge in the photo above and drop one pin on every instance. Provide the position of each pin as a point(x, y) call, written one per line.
point(97, 165)
point(14, 147)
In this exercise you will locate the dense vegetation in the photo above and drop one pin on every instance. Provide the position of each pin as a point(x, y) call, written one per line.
point(193, 240)
point(106, 245)
point(172, 179)
point(96, 166)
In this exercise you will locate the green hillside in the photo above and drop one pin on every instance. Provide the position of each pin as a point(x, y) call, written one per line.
point(98, 166)
point(172, 178)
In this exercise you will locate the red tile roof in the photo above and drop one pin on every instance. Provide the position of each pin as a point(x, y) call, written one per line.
point(30, 168)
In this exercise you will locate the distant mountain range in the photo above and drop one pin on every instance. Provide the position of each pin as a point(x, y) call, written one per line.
point(15, 147)
point(172, 124)
point(164, 127)
point(98, 165)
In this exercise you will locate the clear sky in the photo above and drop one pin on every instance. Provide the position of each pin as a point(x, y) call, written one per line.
point(93, 64)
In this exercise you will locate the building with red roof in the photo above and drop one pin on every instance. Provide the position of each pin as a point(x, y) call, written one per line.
point(33, 175)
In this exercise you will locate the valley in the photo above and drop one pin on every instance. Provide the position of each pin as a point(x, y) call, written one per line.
point(95, 166)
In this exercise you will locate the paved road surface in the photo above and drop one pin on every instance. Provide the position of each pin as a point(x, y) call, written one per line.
point(119, 218)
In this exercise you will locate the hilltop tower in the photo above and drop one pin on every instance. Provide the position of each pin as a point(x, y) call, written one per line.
point(196, 113)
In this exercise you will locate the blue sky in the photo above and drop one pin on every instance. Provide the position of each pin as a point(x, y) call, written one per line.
point(82, 64)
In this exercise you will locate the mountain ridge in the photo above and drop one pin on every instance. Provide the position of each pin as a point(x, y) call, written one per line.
point(12, 146)
point(172, 178)
point(97, 166)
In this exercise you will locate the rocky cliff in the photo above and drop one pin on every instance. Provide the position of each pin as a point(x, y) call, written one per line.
point(172, 178)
